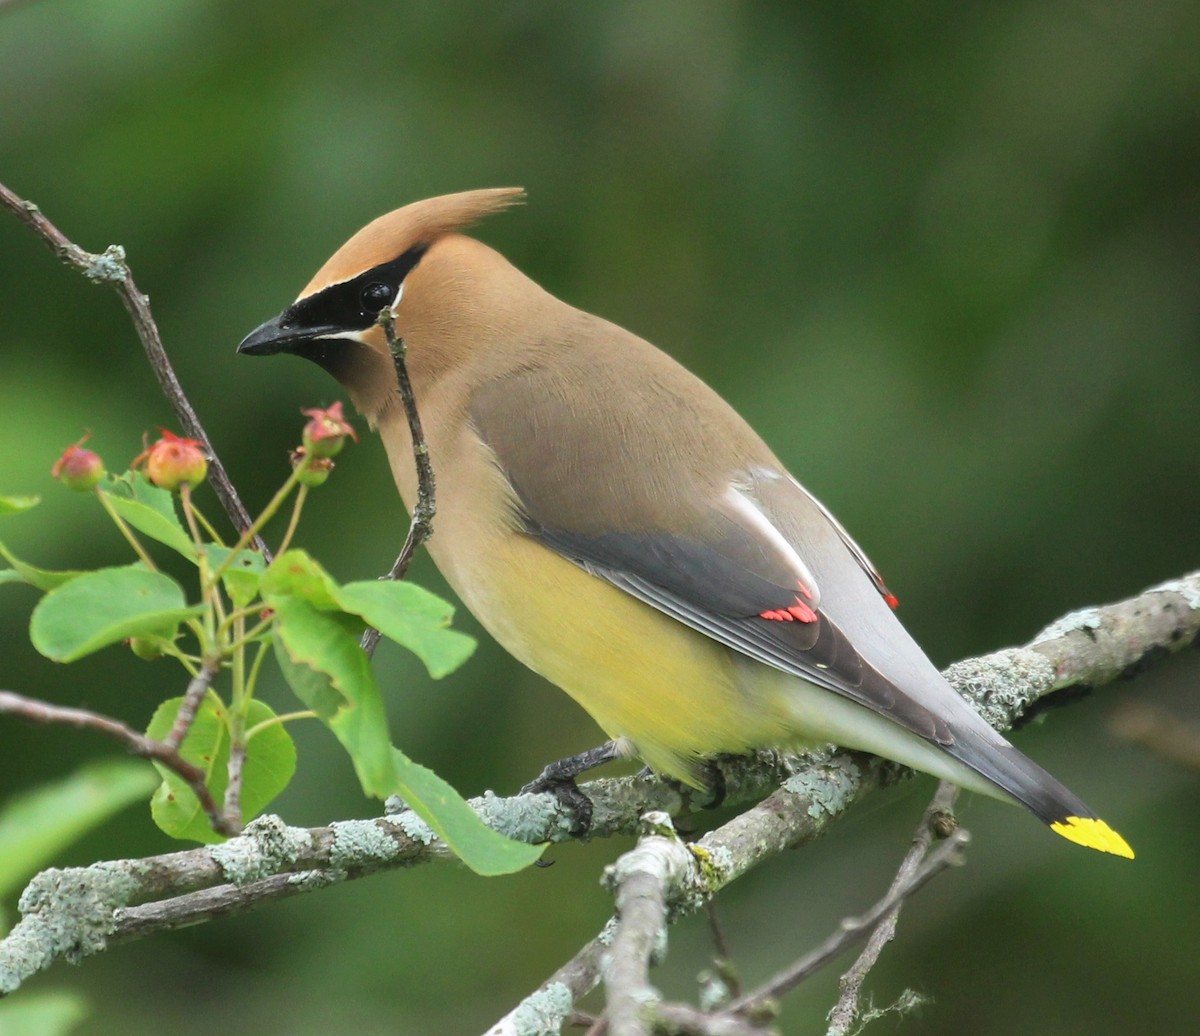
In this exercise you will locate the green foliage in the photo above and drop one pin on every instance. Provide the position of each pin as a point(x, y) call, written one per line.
point(243, 571)
point(245, 607)
point(268, 769)
point(17, 504)
point(150, 510)
point(42, 1014)
point(412, 617)
point(104, 607)
point(318, 651)
point(408, 614)
point(20, 571)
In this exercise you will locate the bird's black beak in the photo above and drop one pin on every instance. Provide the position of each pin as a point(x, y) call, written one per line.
point(323, 344)
point(273, 337)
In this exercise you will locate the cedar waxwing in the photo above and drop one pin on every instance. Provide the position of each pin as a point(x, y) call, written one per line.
point(621, 530)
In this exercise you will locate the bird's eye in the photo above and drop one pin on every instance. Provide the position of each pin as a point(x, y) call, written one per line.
point(375, 296)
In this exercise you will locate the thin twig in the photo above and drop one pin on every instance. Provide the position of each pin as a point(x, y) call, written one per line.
point(236, 770)
point(137, 744)
point(110, 267)
point(722, 983)
point(197, 688)
point(854, 929)
point(683, 1020)
point(845, 1011)
point(420, 527)
point(717, 931)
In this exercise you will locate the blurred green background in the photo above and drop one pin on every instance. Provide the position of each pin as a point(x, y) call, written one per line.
point(945, 258)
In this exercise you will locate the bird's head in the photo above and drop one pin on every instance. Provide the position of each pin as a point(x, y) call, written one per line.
point(334, 320)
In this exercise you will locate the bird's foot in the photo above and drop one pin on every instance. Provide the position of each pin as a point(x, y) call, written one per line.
point(559, 780)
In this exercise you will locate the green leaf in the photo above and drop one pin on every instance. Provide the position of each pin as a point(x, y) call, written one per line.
point(268, 769)
point(349, 702)
point(17, 504)
point(412, 617)
point(20, 571)
point(325, 666)
point(99, 608)
point(296, 574)
point(42, 1014)
point(42, 578)
point(313, 688)
point(407, 614)
point(37, 825)
point(151, 511)
point(485, 851)
point(243, 576)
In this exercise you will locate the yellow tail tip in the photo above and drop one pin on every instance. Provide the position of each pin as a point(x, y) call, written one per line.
point(1093, 833)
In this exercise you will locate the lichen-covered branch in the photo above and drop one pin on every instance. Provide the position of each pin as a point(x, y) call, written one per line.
point(72, 913)
point(643, 881)
point(1125, 637)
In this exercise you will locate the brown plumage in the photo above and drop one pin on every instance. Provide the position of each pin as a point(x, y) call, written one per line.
point(621, 530)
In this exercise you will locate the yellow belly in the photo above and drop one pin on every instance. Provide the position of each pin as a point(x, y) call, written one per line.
point(673, 693)
point(641, 675)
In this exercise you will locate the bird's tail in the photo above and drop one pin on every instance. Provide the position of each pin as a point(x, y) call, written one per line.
point(1021, 779)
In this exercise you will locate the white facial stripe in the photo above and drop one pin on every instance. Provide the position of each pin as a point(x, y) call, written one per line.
point(323, 287)
point(747, 510)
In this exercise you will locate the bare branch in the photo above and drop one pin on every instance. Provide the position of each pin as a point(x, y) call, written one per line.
point(236, 769)
point(137, 744)
point(682, 1020)
point(855, 929)
point(845, 1011)
point(110, 267)
point(197, 688)
point(421, 525)
point(211, 904)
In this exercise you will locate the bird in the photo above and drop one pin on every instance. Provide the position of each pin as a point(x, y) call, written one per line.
point(620, 529)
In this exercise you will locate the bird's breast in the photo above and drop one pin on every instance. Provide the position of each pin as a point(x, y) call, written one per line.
point(672, 692)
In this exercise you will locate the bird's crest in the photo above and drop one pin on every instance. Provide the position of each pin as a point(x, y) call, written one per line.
point(420, 223)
